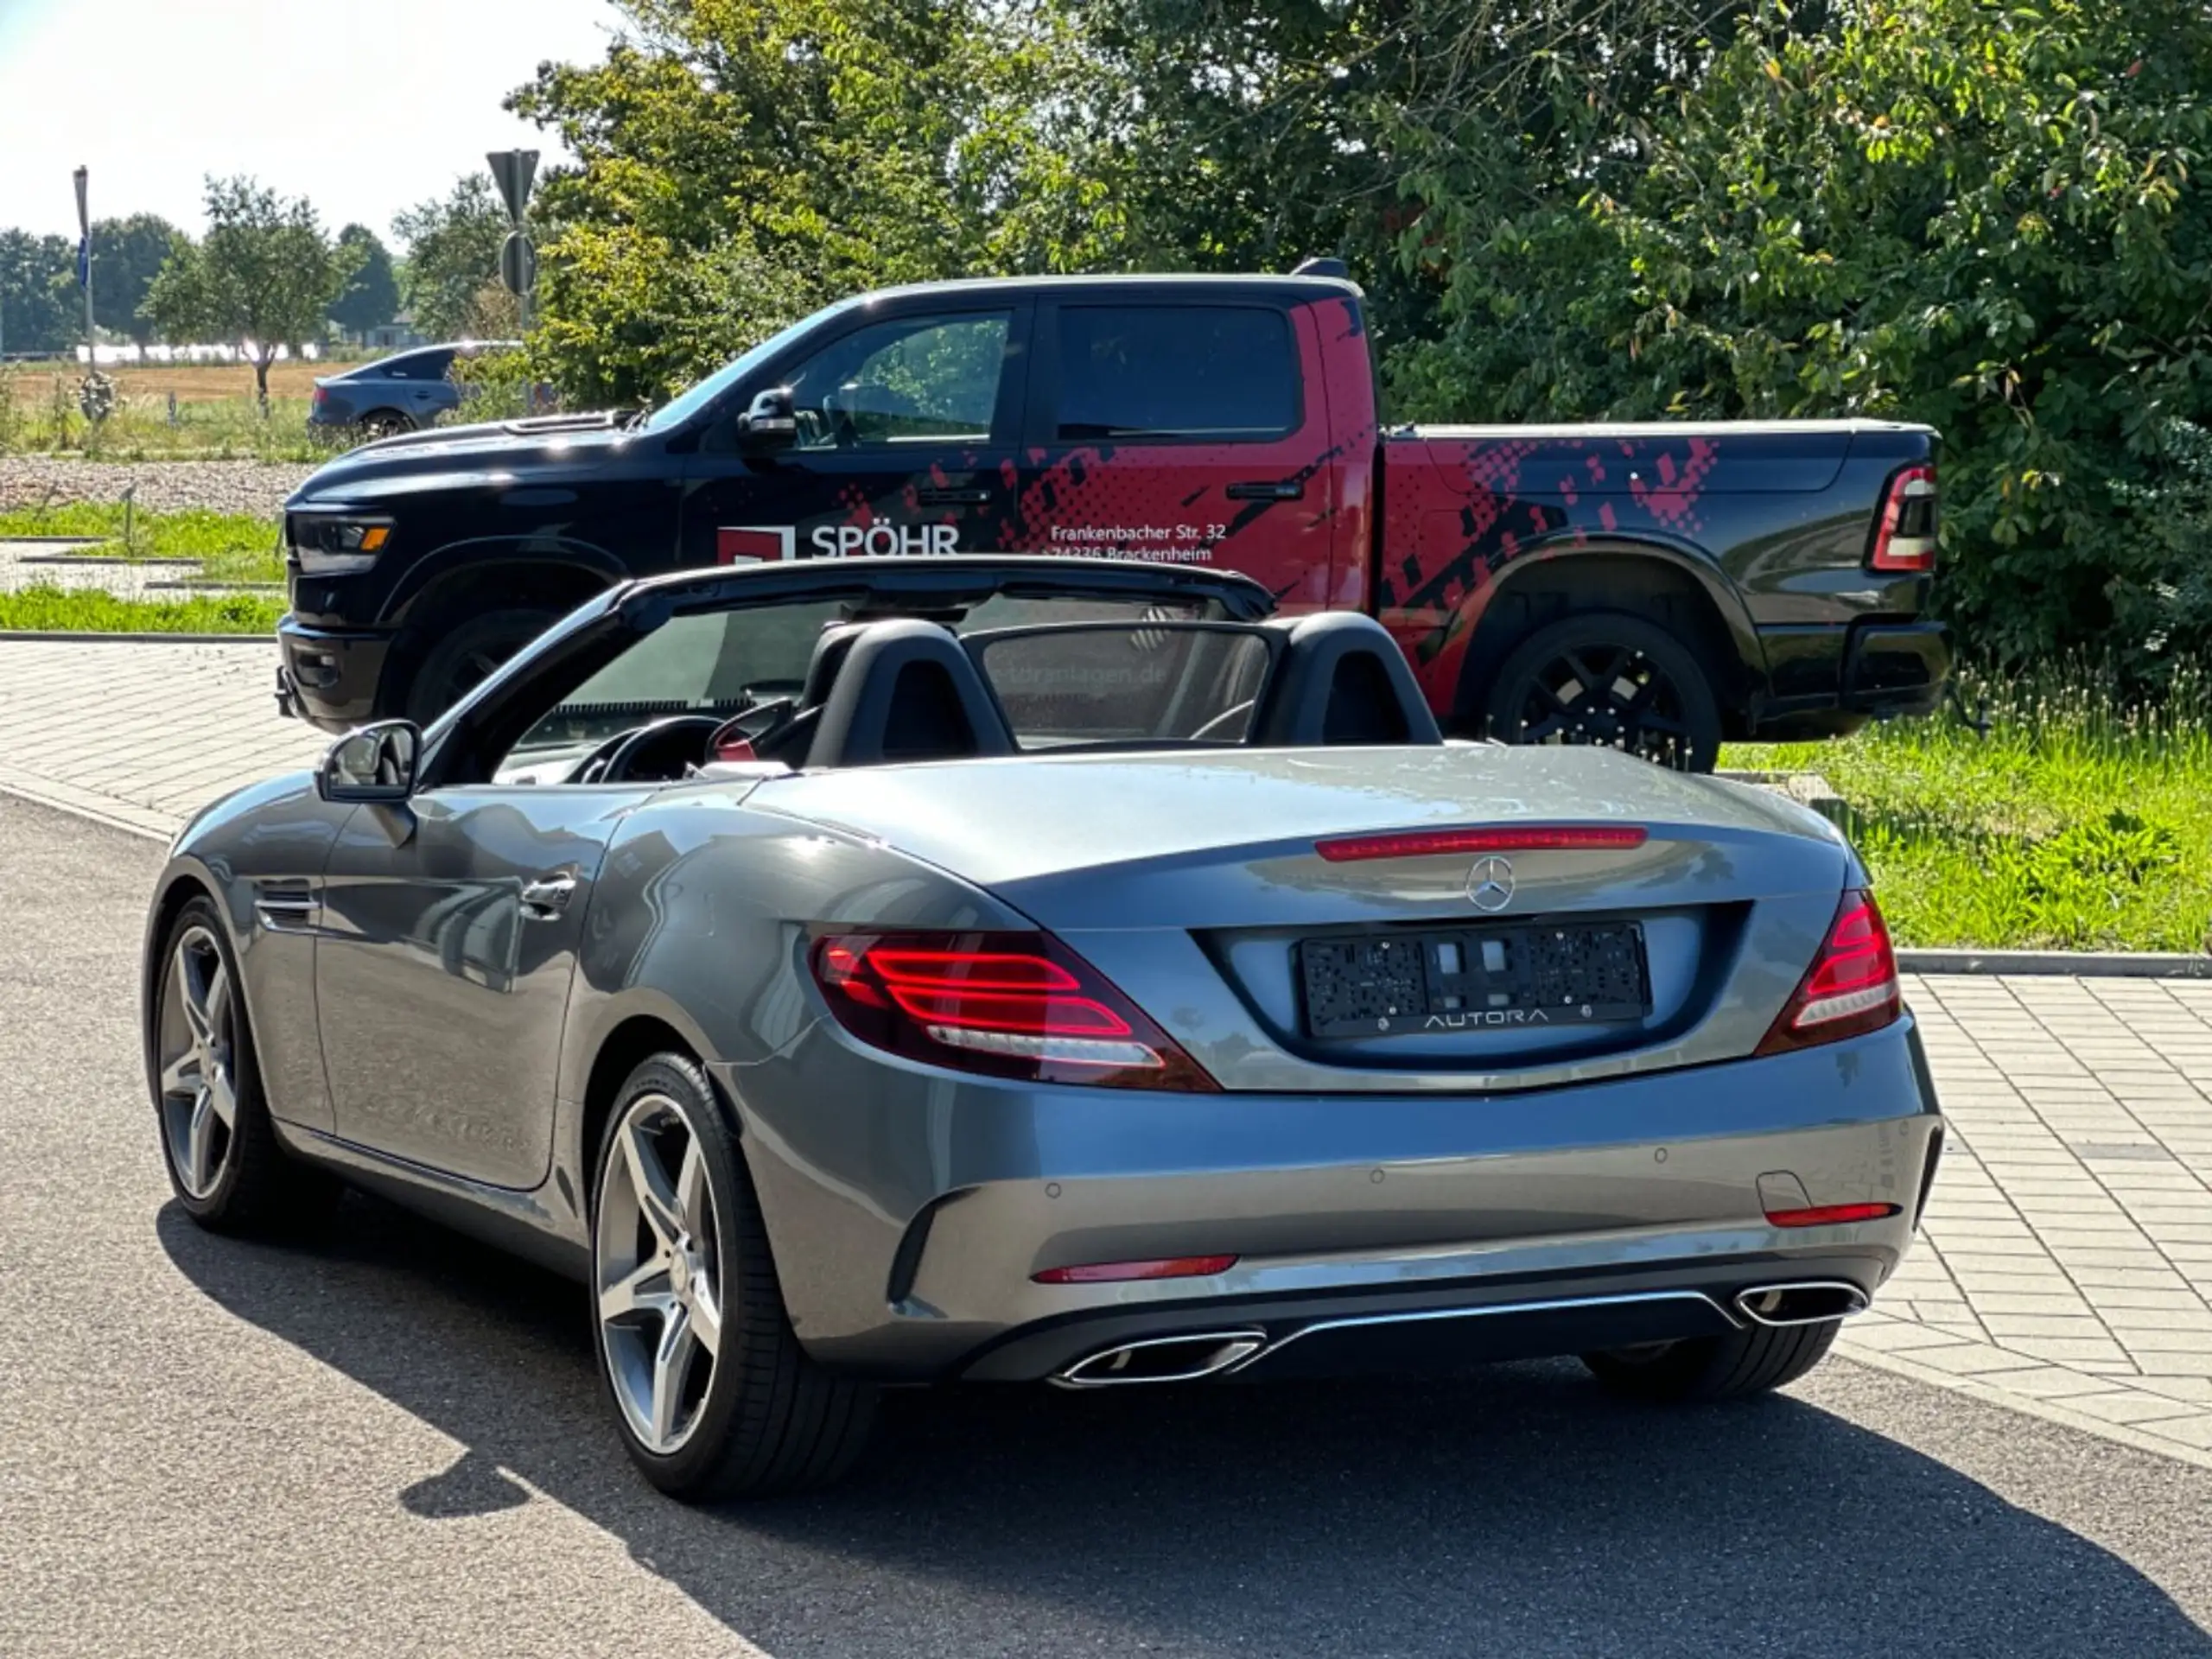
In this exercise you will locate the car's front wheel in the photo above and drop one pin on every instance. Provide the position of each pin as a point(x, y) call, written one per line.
point(221, 1151)
point(712, 1393)
point(1746, 1361)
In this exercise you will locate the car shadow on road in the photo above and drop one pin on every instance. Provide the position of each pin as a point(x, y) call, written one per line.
point(1515, 1509)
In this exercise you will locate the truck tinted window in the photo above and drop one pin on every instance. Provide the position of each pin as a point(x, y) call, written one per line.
point(1179, 371)
point(904, 380)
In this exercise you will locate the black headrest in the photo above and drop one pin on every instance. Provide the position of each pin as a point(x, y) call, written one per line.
point(829, 657)
point(1341, 679)
point(907, 691)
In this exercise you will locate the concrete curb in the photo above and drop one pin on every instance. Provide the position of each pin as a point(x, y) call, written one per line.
point(57, 796)
point(2087, 964)
point(76, 635)
point(56, 541)
point(1991, 1394)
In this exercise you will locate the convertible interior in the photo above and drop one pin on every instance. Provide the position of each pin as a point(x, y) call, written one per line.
point(914, 688)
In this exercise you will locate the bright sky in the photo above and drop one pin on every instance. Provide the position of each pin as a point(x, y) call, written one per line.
point(363, 109)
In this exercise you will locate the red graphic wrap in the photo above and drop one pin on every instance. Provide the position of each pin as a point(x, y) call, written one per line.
point(1171, 502)
point(1463, 508)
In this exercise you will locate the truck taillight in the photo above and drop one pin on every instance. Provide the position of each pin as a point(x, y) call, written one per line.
point(1905, 539)
point(1011, 1005)
point(1852, 987)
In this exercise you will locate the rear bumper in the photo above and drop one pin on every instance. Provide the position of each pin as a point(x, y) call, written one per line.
point(1896, 668)
point(328, 678)
point(907, 1219)
point(1829, 681)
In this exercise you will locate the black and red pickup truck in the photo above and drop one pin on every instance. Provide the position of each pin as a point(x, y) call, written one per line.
point(1660, 588)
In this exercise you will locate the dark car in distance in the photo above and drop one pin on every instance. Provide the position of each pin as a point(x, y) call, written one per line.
point(393, 395)
point(1659, 587)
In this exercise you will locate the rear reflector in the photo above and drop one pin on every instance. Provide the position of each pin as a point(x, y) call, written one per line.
point(1852, 987)
point(1830, 1215)
point(1013, 1005)
point(1106, 1273)
point(1527, 838)
point(1905, 538)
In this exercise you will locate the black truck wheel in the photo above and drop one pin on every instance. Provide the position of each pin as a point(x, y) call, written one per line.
point(460, 656)
point(1607, 677)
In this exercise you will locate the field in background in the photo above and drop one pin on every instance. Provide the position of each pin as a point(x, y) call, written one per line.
point(199, 382)
point(217, 415)
point(2080, 822)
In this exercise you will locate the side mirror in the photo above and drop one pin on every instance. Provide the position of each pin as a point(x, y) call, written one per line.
point(376, 763)
point(770, 425)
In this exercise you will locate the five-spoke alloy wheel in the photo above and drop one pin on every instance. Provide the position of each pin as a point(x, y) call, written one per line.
point(659, 1273)
point(224, 1160)
point(714, 1393)
point(200, 1105)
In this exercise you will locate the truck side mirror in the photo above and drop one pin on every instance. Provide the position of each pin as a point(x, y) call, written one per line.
point(769, 424)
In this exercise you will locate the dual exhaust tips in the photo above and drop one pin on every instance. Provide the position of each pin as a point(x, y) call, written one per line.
point(1208, 1353)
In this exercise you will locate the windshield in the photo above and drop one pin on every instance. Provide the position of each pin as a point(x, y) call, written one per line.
point(720, 662)
point(682, 407)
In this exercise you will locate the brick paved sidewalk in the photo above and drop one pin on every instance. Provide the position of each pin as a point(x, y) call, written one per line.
point(2065, 1263)
point(2067, 1252)
point(142, 734)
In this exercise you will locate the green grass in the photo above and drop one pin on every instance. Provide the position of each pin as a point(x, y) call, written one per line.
point(57, 610)
point(231, 547)
point(231, 430)
point(2080, 822)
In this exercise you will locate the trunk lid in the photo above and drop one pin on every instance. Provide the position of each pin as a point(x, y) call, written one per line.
point(1192, 881)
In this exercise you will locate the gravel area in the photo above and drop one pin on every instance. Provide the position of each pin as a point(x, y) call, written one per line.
point(251, 486)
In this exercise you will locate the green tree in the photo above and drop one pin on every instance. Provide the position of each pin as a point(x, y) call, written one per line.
point(741, 160)
point(1982, 216)
point(371, 297)
point(38, 277)
point(127, 253)
point(453, 258)
point(264, 276)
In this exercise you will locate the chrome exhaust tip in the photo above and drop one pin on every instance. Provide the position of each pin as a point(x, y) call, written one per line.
point(1804, 1302)
point(1163, 1359)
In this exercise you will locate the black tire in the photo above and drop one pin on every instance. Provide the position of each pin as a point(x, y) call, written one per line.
point(767, 1420)
point(248, 1184)
point(1746, 1361)
point(384, 423)
point(458, 658)
point(1608, 678)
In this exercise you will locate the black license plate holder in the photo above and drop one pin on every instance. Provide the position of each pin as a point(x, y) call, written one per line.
point(1492, 977)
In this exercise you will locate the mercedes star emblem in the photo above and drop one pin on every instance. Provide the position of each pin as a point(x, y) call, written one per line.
point(1490, 884)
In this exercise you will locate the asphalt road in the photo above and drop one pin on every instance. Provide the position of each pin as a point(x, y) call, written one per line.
point(389, 1443)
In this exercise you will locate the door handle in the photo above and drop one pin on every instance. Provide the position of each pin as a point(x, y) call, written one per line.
point(975, 498)
point(545, 899)
point(1268, 489)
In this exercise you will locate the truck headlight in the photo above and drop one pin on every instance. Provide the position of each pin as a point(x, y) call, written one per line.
point(340, 547)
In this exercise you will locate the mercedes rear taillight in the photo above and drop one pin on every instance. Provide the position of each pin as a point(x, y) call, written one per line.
point(1852, 987)
point(1011, 1005)
point(1905, 538)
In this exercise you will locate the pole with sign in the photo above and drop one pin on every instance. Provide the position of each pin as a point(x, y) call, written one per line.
point(513, 170)
point(84, 265)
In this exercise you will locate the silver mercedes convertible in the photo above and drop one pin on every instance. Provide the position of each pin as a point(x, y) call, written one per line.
point(872, 973)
